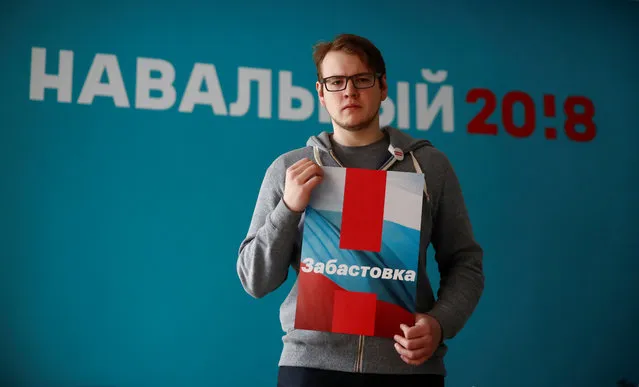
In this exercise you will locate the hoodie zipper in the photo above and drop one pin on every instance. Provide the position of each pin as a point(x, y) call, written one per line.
point(359, 360)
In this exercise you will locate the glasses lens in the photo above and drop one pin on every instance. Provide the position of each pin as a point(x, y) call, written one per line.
point(335, 83)
point(364, 81)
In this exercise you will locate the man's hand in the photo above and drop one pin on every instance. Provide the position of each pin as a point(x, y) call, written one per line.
point(301, 178)
point(419, 341)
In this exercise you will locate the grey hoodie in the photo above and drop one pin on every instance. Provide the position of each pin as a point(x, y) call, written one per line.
point(273, 245)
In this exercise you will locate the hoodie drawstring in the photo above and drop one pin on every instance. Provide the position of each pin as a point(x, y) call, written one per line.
point(317, 156)
point(418, 169)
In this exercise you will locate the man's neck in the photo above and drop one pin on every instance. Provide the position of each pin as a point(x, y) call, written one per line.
point(360, 137)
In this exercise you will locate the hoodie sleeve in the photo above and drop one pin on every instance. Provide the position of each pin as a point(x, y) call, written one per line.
point(458, 255)
point(270, 244)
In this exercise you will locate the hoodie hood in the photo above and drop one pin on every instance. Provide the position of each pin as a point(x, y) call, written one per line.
point(398, 139)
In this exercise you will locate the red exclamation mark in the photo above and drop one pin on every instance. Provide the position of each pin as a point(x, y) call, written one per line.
point(363, 211)
point(549, 111)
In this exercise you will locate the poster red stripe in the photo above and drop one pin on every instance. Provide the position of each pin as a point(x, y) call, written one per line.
point(363, 211)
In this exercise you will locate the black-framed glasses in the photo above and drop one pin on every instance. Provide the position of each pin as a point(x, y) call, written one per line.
point(360, 81)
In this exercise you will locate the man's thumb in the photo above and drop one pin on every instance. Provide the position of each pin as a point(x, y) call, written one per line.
point(404, 329)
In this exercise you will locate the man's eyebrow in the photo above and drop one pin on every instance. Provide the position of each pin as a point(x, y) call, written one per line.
point(342, 75)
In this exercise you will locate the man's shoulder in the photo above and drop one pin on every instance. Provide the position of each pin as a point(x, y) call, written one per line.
point(294, 155)
point(430, 157)
point(288, 158)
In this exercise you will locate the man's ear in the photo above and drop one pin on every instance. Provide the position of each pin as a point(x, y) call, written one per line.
point(320, 92)
point(383, 86)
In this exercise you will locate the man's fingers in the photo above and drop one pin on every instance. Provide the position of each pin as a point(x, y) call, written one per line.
point(401, 340)
point(414, 331)
point(313, 181)
point(411, 344)
point(415, 346)
point(310, 171)
point(411, 354)
point(298, 166)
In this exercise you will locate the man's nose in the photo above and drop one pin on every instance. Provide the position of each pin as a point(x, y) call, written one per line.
point(351, 90)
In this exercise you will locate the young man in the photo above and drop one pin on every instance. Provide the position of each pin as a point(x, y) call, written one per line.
point(351, 86)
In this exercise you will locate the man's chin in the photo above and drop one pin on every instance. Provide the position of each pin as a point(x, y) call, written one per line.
point(355, 126)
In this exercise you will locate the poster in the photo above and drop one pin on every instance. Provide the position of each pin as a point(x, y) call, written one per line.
point(360, 250)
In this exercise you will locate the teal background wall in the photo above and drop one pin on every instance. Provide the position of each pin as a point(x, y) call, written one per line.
point(120, 225)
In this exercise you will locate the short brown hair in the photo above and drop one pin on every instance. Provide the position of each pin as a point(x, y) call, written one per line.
point(351, 44)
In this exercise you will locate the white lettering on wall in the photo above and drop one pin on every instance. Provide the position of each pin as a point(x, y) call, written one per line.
point(155, 89)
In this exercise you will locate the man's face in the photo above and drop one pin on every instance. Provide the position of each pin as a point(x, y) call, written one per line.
point(352, 108)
